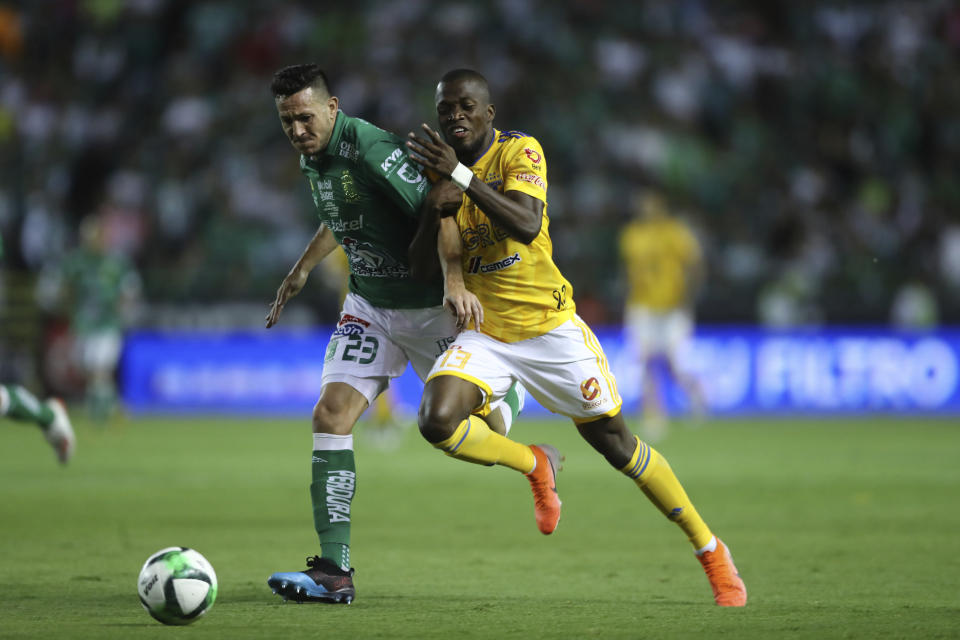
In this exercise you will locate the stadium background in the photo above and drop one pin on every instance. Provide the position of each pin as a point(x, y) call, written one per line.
point(814, 147)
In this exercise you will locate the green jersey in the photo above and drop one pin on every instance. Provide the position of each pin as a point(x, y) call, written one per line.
point(99, 287)
point(368, 193)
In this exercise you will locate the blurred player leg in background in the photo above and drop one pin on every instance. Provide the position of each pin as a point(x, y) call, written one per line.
point(99, 354)
point(655, 340)
point(664, 267)
point(385, 428)
point(51, 416)
point(641, 339)
point(678, 332)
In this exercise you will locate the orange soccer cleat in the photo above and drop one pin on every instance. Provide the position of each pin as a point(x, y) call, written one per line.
point(728, 588)
point(543, 481)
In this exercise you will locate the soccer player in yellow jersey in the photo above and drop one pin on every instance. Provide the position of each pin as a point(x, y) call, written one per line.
point(664, 268)
point(527, 329)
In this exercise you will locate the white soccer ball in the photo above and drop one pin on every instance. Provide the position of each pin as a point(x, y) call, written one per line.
point(177, 585)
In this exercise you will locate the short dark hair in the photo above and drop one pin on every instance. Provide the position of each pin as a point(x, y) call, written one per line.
point(467, 75)
point(297, 77)
point(457, 75)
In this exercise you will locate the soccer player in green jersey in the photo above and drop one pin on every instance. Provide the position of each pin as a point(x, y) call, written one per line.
point(101, 290)
point(369, 198)
point(51, 416)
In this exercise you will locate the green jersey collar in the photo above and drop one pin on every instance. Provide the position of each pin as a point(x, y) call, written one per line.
point(334, 145)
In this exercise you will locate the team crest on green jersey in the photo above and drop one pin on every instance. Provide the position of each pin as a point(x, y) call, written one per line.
point(350, 193)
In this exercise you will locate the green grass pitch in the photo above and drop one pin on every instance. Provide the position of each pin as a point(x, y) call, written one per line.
point(840, 528)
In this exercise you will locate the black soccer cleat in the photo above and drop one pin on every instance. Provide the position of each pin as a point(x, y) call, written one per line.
point(323, 581)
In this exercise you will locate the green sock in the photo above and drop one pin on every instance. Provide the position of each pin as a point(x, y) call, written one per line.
point(23, 405)
point(101, 399)
point(332, 490)
point(513, 401)
point(512, 405)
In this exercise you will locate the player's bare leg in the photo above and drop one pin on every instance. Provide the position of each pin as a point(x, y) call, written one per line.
point(446, 401)
point(692, 389)
point(381, 426)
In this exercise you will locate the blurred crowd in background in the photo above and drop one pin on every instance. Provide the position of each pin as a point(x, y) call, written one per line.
point(812, 146)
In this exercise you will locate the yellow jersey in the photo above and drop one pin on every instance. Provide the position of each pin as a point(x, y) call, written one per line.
point(522, 291)
point(657, 255)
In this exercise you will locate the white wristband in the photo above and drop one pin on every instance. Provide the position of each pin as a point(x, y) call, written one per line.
point(461, 176)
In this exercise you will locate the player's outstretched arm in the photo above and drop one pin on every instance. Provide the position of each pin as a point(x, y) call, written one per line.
point(319, 248)
point(456, 298)
point(519, 214)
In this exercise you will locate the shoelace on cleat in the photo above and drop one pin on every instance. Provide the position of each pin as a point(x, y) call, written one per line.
point(540, 494)
point(332, 576)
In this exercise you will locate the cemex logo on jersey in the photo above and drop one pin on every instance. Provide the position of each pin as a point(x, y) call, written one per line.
point(475, 265)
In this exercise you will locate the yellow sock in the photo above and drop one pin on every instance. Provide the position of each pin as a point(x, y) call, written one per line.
point(656, 479)
point(383, 409)
point(474, 441)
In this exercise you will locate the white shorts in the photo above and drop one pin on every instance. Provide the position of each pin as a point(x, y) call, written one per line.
point(99, 351)
point(564, 369)
point(653, 333)
point(372, 345)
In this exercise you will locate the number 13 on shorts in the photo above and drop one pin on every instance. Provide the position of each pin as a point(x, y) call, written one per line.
point(454, 358)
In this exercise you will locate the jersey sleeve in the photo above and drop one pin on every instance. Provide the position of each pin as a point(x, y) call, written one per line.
point(398, 176)
point(525, 168)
